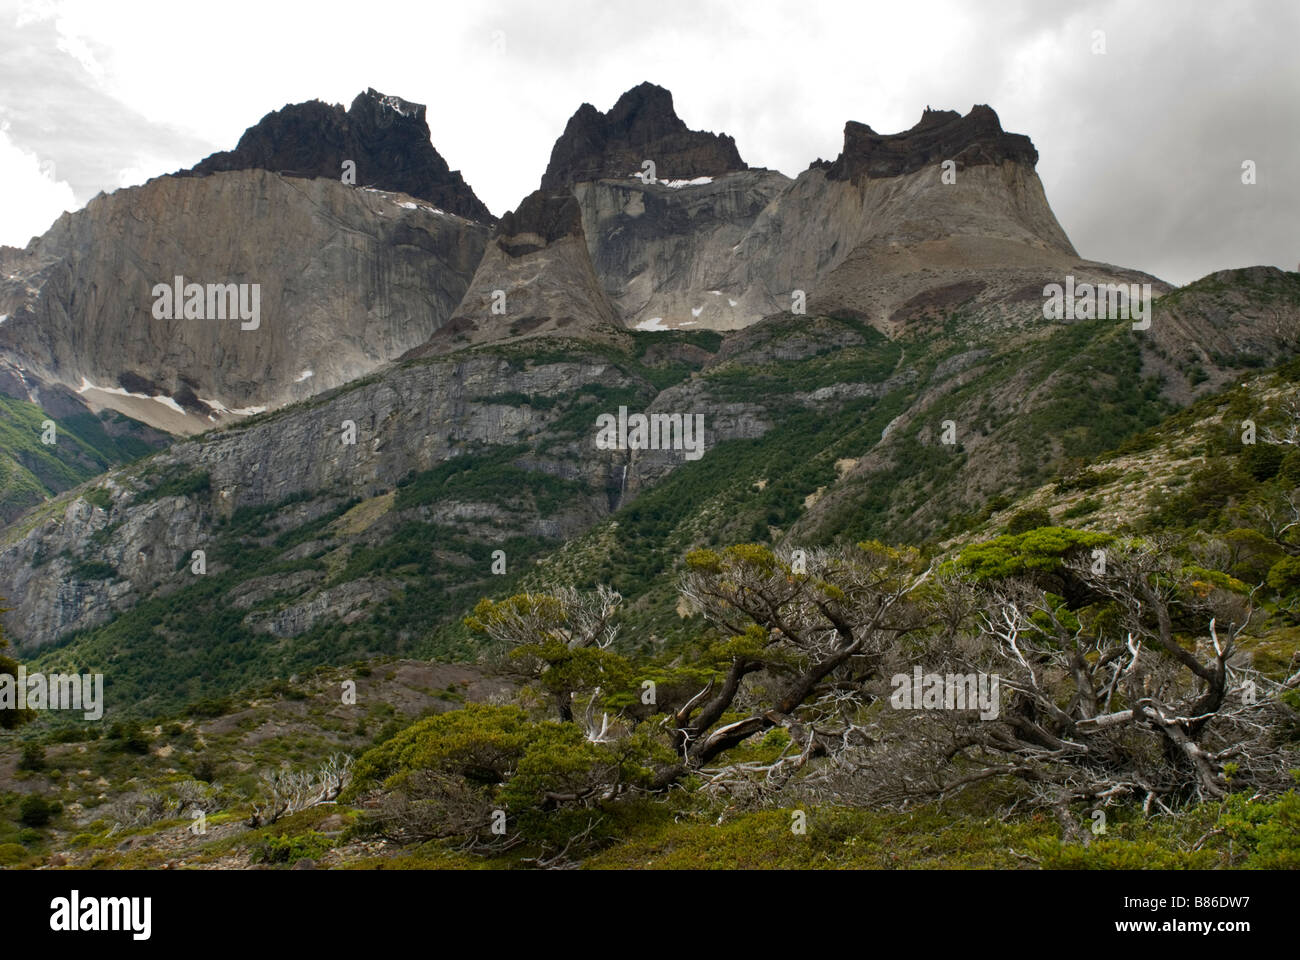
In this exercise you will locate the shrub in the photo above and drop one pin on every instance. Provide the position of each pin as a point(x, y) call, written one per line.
point(286, 849)
point(1290, 469)
point(1117, 854)
point(1029, 519)
point(1041, 549)
point(33, 757)
point(205, 770)
point(1081, 509)
point(1270, 831)
point(445, 775)
point(129, 736)
point(92, 570)
point(1285, 574)
point(100, 497)
point(75, 734)
point(209, 707)
point(34, 811)
point(1082, 477)
point(1262, 460)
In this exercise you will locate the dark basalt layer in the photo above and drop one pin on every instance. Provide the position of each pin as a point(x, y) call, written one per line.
point(972, 140)
point(387, 138)
point(642, 126)
point(545, 215)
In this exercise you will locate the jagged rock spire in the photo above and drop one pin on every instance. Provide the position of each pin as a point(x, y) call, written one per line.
point(641, 126)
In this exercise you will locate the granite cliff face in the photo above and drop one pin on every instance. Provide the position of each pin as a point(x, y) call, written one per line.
point(535, 279)
point(908, 248)
point(387, 138)
point(348, 278)
point(665, 252)
point(885, 231)
point(348, 275)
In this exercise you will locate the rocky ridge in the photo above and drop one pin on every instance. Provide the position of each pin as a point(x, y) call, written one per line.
point(642, 125)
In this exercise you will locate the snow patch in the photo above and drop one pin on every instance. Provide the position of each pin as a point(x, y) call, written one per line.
point(696, 311)
point(220, 407)
point(303, 376)
point(731, 302)
point(672, 184)
point(3, 317)
point(395, 104)
point(408, 204)
point(654, 323)
point(87, 385)
point(165, 400)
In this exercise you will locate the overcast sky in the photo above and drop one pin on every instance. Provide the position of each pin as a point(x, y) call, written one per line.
point(1140, 148)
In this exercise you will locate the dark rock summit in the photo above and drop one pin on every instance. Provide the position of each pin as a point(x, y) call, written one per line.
point(641, 126)
point(972, 140)
point(387, 138)
point(542, 218)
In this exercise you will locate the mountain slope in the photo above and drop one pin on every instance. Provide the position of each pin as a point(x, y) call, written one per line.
point(816, 430)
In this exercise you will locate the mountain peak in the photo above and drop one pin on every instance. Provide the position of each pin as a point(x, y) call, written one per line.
point(385, 136)
point(972, 140)
point(645, 100)
point(404, 108)
point(642, 125)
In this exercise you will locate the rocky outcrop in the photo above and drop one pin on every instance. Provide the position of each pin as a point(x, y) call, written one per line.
point(348, 278)
point(665, 253)
point(345, 602)
point(641, 126)
point(387, 138)
point(542, 219)
point(536, 278)
point(969, 141)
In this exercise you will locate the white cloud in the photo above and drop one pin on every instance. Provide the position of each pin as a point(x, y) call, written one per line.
point(33, 197)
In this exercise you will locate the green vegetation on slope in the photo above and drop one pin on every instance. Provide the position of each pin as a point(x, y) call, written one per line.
point(85, 446)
